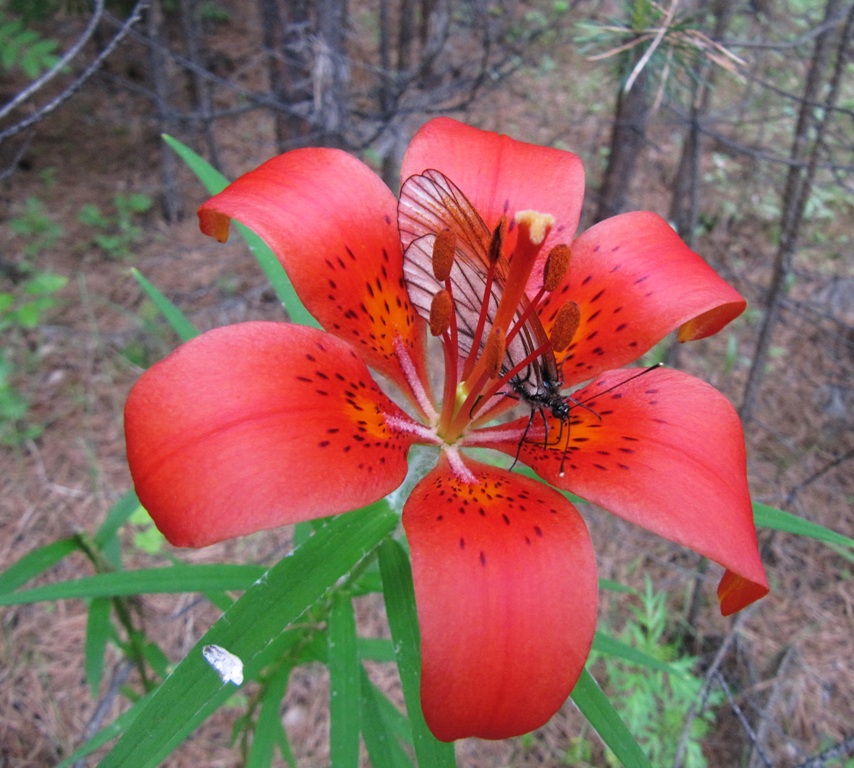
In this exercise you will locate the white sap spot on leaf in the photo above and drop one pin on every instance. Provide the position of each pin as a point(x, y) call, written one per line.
point(229, 666)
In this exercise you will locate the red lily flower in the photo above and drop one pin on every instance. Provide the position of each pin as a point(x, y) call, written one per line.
point(262, 424)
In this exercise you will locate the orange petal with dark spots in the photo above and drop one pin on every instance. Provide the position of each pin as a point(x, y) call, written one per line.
point(665, 451)
point(501, 176)
point(635, 281)
point(333, 224)
point(505, 585)
point(256, 425)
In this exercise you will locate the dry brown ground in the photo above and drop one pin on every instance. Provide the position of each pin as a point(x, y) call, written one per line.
point(792, 659)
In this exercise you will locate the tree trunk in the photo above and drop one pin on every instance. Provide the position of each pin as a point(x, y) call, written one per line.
point(627, 140)
point(806, 147)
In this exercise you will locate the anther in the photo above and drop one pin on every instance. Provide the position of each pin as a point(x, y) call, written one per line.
point(441, 310)
point(565, 325)
point(557, 262)
point(493, 352)
point(444, 250)
point(496, 244)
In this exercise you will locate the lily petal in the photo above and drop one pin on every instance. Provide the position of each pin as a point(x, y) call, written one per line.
point(500, 175)
point(635, 281)
point(256, 425)
point(333, 224)
point(665, 451)
point(505, 584)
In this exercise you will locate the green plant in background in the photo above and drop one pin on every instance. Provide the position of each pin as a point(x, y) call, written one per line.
point(35, 227)
point(655, 703)
point(24, 49)
point(22, 307)
point(114, 232)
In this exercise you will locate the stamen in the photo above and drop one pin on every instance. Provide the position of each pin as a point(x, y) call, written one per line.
point(565, 325)
point(496, 244)
point(557, 263)
point(415, 384)
point(493, 353)
point(441, 312)
point(408, 426)
point(458, 467)
point(444, 251)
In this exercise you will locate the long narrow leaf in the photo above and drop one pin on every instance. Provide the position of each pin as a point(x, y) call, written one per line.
point(344, 685)
point(214, 182)
point(194, 690)
point(600, 713)
point(177, 320)
point(403, 620)
point(118, 515)
point(35, 563)
point(268, 728)
point(379, 730)
point(97, 634)
point(771, 517)
point(108, 733)
point(183, 578)
point(610, 646)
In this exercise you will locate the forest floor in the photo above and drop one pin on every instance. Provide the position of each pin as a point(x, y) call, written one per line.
point(791, 665)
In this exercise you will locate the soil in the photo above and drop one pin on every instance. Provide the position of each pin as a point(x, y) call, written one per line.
point(790, 667)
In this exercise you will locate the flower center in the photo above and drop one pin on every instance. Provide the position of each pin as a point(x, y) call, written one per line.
point(493, 342)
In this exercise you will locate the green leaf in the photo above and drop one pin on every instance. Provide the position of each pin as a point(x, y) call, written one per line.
point(118, 515)
point(376, 649)
point(181, 578)
point(97, 633)
point(215, 182)
point(381, 725)
point(268, 728)
point(194, 690)
point(344, 685)
point(177, 320)
point(610, 646)
point(110, 732)
point(771, 517)
point(403, 621)
point(35, 563)
point(600, 713)
point(210, 177)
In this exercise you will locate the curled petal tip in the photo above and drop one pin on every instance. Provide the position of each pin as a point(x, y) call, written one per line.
point(214, 224)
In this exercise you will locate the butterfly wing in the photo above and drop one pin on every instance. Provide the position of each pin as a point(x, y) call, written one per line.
point(430, 203)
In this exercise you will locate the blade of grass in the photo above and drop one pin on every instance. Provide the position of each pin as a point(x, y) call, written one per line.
point(771, 517)
point(268, 728)
point(97, 634)
point(344, 685)
point(194, 691)
point(177, 320)
point(118, 515)
point(108, 733)
point(403, 621)
point(610, 646)
point(35, 563)
point(184, 578)
point(600, 713)
point(379, 728)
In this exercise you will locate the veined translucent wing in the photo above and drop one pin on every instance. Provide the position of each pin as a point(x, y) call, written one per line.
point(430, 203)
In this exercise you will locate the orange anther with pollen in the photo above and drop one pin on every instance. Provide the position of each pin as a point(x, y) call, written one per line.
point(441, 310)
point(444, 251)
point(566, 324)
point(493, 352)
point(496, 244)
point(557, 263)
